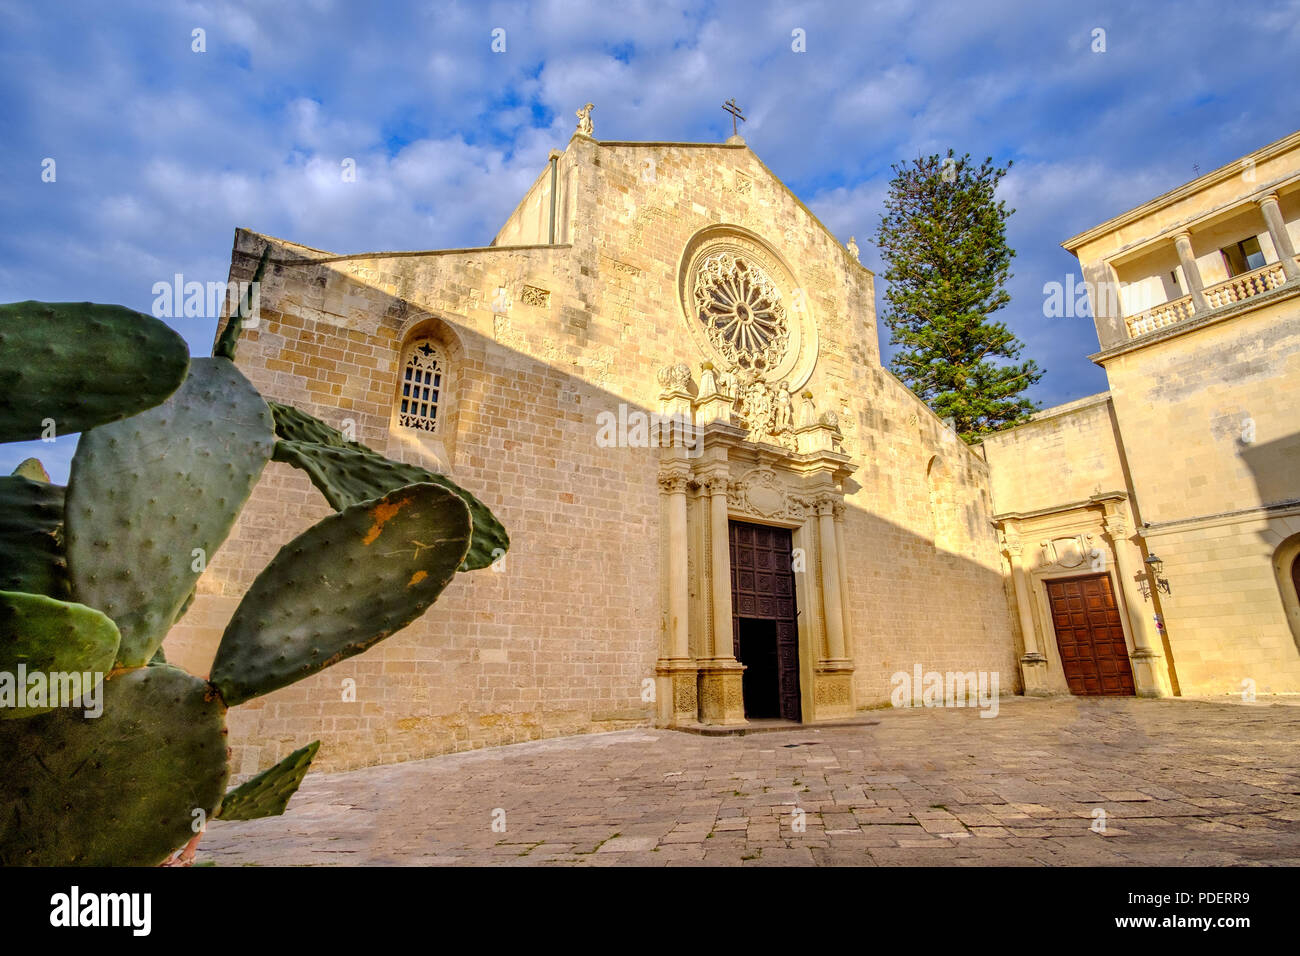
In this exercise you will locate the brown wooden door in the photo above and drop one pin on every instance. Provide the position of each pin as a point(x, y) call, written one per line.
point(762, 590)
point(1090, 636)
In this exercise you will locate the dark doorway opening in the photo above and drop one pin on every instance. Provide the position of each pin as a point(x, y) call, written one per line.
point(765, 620)
point(757, 641)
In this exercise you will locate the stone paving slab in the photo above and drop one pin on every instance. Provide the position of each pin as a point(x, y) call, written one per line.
point(1064, 781)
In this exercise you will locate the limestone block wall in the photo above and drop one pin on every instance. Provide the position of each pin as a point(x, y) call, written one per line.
point(1065, 454)
point(556, 642)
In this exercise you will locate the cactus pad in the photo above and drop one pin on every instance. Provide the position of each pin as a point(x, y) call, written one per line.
point(293, 424)
point(146, 492)
point(56, 640)
point(267, 794)
point(341, 586)
point(31, 538)
point(33, 469)
point(120, 789)
point(347, 472)
point(80, 364)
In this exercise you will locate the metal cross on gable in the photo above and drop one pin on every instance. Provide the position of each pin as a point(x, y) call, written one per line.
point(736, 114)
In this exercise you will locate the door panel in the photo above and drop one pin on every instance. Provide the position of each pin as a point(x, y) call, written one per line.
point(1090, 637)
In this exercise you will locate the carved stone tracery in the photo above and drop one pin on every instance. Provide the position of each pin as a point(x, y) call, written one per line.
point(742, 311)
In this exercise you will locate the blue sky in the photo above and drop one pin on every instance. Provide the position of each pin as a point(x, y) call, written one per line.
point(161, 152)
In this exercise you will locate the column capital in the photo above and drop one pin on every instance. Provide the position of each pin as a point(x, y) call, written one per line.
point(1266, 198)
point(831, 505)
point(674, 480)
point(1011, 543)
point(1116, 526)
point(714, 483)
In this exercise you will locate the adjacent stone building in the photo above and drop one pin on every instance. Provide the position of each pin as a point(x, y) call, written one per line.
point(663, 375)
point(1152, 531)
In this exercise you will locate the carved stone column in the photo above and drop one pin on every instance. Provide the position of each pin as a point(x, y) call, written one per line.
point(1191, 271)
point(1033, 665)
point(1281, 238)
point(721, 675)
point(1148, 671)
point(833, 680)
point(830, 561)
point(677, 671)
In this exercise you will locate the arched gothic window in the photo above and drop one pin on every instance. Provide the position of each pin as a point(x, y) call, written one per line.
point(422, 384)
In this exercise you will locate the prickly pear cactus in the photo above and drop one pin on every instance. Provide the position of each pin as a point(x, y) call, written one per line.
point(329, 594)
point(347, 472)
point(267, 794)
point(119, 789)
point(68, 366)
point(31, 537)
point(39, 635)
point(152, 498)
point(92, 578)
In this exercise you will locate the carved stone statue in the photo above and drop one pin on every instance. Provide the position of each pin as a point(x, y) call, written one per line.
point(853, 247)
point(756, 407)
point(584, 120)
point(783, 419)
point(807, 411)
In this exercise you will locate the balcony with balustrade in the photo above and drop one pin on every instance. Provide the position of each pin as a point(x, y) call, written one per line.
point(1236, 289)
point(1244, 253)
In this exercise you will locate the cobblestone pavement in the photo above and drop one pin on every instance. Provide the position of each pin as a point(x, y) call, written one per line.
point(1180, 782)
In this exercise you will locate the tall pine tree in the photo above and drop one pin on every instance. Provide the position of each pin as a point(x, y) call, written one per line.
point(943, 240)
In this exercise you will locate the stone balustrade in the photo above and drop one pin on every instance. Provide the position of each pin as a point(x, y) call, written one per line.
point(1169, 313)
point(1245, 286)
point(1237, 289)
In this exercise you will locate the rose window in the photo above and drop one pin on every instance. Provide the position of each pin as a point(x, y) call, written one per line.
point(741, 311)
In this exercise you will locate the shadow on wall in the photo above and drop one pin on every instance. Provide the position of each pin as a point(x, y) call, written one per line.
point(564, 638)
point(1275, 468)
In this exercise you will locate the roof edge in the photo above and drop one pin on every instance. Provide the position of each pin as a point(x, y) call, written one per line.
point(1181, 192)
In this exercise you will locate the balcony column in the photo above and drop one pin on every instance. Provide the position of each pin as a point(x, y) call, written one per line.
point(1281, 238)
point(1191, 272)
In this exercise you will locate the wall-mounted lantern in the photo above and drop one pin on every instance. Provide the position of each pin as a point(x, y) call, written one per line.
point(1157, 571)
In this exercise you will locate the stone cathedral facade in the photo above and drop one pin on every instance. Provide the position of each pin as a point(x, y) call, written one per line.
point(664, 377)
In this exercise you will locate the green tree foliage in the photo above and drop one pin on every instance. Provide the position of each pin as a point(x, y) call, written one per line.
point(943, 240)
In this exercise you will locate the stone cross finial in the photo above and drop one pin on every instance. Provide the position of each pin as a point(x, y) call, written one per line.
point(853, 247)
point(736, 114)
point(584, 119)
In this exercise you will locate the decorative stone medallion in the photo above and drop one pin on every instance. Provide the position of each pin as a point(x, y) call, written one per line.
point(744, 308)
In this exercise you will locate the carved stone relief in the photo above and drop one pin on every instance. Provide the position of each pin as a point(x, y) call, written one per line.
point(760, 492)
